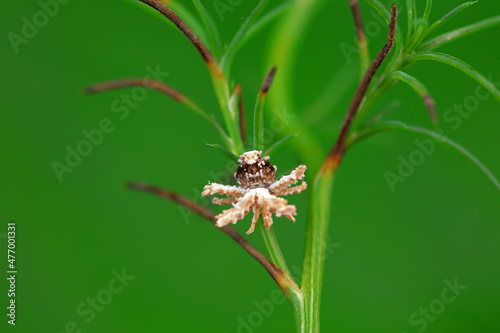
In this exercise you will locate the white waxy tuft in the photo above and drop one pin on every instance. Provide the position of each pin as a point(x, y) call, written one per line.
point(250, 157)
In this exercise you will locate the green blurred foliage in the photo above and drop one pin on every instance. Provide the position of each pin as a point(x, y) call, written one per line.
point(392, 250)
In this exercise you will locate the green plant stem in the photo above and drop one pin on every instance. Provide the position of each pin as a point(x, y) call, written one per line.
point(315, 247)
point(292, 291)
point(274, 249)
point(229, 110)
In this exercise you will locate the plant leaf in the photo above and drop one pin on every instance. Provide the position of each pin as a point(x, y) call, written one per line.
point(448, 16)
point(225, 152)
point(233, 46)
point(421, 28)
point(412, 16)
point(458, 64)
point(419, 88)
point(428, 8)
point(210, 27)
point(396, 125)
point(459, 33)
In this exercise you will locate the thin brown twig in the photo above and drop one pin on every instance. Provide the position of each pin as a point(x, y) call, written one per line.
point(335, 156)
point(135, 82)
point(258, 119)
point(277, 274)
point(360, 32)
point(268, 81)
point(241, 110)
point(183, 27)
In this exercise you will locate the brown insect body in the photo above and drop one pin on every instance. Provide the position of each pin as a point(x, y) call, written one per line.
point(256, 175)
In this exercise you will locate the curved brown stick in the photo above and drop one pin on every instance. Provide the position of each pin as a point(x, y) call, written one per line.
point(134, 82)
point(335, 156)
point(277, 274)
point(183, 27)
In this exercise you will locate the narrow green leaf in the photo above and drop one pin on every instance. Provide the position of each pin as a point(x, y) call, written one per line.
point(428, 8)
point(459, 33)
point(421, 28)
point(419, 88)
point(224, 151)
point(387, 17)
point(459, 64)
point(233, 46)
point(412, 16)
point(210, 27)
point(263, 22)
point(448, 16)
point(396, 125)
point(279, 144)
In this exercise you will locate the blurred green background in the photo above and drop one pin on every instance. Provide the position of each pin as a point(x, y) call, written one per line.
point(391, 251)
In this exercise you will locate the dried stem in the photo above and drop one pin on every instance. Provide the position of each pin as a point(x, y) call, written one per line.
point(241, 110)
point(337, 152)
point(163, 88)
point(277, 274)
point(135, 82)
point(268, 81)
point(360, 32)
point(183, 27)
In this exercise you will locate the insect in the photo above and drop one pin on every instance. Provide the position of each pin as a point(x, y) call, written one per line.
point(258, 190)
